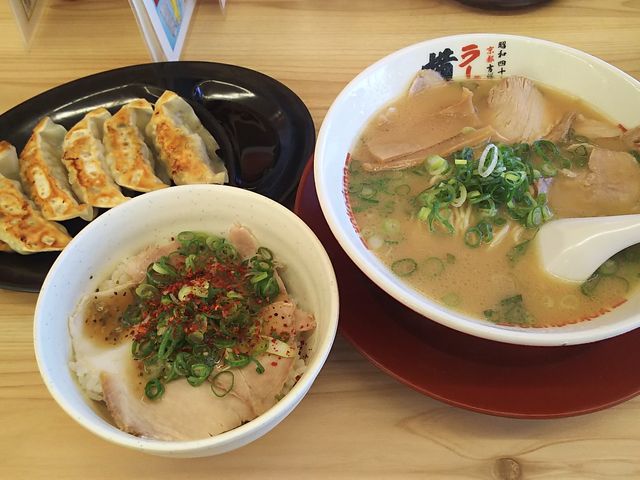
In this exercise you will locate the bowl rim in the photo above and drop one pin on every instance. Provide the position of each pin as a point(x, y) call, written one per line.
point(235, 437)
point(539, 336)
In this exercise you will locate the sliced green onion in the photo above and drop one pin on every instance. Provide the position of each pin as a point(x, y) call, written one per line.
point(511, 300)
point(199, 373)
point(223, 342)
point(436, 165)
point(268, 288)
point(492, 150)
point(367, 192)
point(517, 251)
point(200, 290)
point(534, 218)
point(473, 237)
point(140, 351)
point(404, 267)
point(212, 242)
point(486, 231)
point(132, 315)
point(146, 291)
point(237, 361)
point(403, 189)
point(224, 391)
point(258, 277)
point(195, 337)
point(167, 344)
point(164, 269)
point(184, 292)
point(259, 367)
point(548, 170)
point(190, 261)
point(265, 254)
point(186, 237)
point(154, 389)
point(423, 213)
point(461, 196)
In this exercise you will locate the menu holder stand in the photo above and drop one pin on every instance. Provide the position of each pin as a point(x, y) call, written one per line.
point(27, 14)
point(163, 25)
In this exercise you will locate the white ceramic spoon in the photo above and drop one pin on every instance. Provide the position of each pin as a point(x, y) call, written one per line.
point(574, 248)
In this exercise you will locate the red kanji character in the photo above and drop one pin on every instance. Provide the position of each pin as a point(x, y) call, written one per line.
point(490, 58)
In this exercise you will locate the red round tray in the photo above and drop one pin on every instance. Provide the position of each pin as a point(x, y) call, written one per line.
point(466, 371)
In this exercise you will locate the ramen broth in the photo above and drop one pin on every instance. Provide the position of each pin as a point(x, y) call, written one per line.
point(499, 280)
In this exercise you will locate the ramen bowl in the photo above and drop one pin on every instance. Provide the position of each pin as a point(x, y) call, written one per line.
point(606, 88)
point(155, 217)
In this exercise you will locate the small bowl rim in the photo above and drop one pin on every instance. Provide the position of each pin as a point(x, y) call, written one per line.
point(231, 439)
point(421, 304)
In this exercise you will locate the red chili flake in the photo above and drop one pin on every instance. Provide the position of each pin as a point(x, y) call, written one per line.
point(274, 364)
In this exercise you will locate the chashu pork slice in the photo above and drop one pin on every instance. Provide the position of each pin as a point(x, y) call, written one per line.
point(182, 413)
point(432, 116)
point(107, 371)
point(188, 413)
point(425, 79)
point(610, 186)
point(519, 111)
point(134, 270)
point(593, 129)
point(247, 245)
point(471, 138)
point(560, 131)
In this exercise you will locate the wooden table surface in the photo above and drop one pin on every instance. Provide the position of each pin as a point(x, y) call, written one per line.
point(356, 421)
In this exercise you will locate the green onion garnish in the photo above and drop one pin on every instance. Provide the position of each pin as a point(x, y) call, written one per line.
point(436, 165)
point(224, 391)
point(500, 180)
point(196, 311)
point(154, 389)
point(404, 267)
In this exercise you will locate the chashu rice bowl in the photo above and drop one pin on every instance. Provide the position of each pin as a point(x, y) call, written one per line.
point(176, 349)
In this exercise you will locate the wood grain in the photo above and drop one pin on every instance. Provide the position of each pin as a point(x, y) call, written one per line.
point(356, 422)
